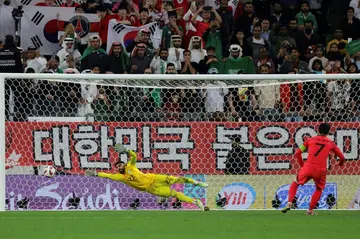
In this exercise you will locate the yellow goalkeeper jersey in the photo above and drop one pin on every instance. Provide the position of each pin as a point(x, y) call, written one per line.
point(132, 177)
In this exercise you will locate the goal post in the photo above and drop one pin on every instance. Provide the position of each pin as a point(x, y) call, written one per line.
point(236, 132)
point(2, 144)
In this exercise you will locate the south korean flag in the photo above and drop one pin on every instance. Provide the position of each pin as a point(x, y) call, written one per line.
point(39, 28)
point(124, 34)
point(38, 2)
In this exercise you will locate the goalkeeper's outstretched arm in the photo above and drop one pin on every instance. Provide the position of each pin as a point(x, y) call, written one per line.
point(93, 173)
point(133, 157)
point(121, 149)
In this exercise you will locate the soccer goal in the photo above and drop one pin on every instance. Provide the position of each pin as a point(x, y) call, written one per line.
point(238, 133)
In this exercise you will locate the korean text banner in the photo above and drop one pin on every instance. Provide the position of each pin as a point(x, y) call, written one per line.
point(92, 193)
point(172, 147)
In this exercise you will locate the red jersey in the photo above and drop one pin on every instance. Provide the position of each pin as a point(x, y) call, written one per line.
point(74, 4)
point(104, 25)
point(184, 4)
point(319, 148)
point(201, 27)
point(43, 4)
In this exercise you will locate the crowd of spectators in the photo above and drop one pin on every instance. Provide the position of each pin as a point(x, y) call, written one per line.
point(279, 36)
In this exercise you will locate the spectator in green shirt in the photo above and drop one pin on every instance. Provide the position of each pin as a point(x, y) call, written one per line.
point(212, 37)
point(171, 29)
point(305, 15)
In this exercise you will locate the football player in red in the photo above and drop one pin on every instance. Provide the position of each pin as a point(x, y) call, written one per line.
point(315, 167)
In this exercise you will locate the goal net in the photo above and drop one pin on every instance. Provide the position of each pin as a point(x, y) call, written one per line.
point(237, 133)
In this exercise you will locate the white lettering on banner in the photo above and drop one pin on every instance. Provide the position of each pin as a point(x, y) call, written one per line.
point(109, 199)
point(47, 192)
point(61, 146)
point(146, 147)
point(173, 147)
point(13, 199)
point(146, 135)
point(277, 147)
point(105, 141)
point(39, 136)
point(222, 145)
point(86, 145)
point(283, 133)
point(354, 142)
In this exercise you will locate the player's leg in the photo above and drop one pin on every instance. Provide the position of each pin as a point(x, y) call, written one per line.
point(302, 178)
point(170, 180)
point(166, 191)
point(185, 180)
point(314, 200)
point(320, 182)
point(184, 198)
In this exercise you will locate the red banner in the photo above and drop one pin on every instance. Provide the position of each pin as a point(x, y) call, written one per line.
point(172, 147)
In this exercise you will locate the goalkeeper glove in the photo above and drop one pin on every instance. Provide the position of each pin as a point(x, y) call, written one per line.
point(120, 148)
point(91, 172)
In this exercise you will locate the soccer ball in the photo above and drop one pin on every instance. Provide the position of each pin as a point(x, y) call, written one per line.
point(49, 171)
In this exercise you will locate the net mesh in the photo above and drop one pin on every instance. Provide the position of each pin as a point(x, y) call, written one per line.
point(238, 136)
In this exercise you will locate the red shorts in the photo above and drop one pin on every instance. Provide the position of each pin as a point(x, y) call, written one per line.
point(317, 174)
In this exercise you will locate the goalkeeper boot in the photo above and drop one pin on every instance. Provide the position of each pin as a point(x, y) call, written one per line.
point(201, 184)
point(286, 208)
point(199, 204)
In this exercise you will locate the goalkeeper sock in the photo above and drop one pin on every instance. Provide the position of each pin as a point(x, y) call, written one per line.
point(292, 191)
point(315, 198)
point(181, 196)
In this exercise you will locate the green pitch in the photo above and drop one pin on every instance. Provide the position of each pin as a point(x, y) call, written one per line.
point(179, 225)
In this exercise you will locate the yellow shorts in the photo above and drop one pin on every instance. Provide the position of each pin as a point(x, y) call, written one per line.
point(161, 185)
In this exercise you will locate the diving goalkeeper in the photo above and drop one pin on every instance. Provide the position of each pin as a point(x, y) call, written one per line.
point(155, 184)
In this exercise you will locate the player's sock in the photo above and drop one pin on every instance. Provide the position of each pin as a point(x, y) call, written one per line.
point(315, 198)
point(181, 196)
point(292, 191)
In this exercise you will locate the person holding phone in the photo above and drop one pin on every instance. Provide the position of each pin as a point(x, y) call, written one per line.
point(206, 12)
